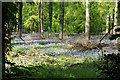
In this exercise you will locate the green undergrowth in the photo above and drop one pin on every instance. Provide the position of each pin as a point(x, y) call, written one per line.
point(51, 67)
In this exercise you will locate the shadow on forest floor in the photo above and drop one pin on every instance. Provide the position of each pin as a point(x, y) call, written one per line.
point(83, 70)
point(40, 43)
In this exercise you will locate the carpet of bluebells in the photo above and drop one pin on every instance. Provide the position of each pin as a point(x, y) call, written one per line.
point(56, 47)
point(56, 54)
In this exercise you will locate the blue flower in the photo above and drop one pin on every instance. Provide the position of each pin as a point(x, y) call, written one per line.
point(34, 59)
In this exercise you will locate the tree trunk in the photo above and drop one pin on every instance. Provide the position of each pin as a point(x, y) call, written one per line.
point(17, 26)
point(118, 43)
point(61, 20)
point(112, 22)
point(39, 10)
point(107, 23)
point(50, 19)
point(67, 20)
point(20, 18)
point(119, 14)
point(87, 27)
point(116, 16)
point(42, 19)
point(32, 26)
point(31, 30)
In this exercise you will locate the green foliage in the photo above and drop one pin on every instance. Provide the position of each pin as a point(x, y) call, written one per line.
point(30, 15)
point(98, 12)
point(74, 16)
point(29, 21)
point(109, 66)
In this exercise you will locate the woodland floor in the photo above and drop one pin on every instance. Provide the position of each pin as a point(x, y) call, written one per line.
point(52, 58)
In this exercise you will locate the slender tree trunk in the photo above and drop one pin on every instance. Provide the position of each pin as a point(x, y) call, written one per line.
point(23, 28)
point(39, 26)
point(119, 14)
point(20, 17)
point(67, 20)
point(50, 20)
point(107, 23)
point(112, 22)
point(42, 19)
point(61, 20)
point(116, 16)
point(31, 27)
point(17, 26)
point(87, 27)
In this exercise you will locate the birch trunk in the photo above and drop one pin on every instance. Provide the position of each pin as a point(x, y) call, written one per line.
point(116, 16)
point(87, 27)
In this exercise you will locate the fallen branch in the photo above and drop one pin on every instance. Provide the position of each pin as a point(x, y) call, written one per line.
point(106, 35)
point(28, 44)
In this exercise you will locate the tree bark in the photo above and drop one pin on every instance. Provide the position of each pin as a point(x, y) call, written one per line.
point(31, 30)
point(17, 26)
point(87, 27)
point(50, 20)
point(107, 23)
point(39, 10)
point(42, 19)
point(118, 43)
point(116, 16)
point(20, 18)
point(112, 22)
point(61, 20)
